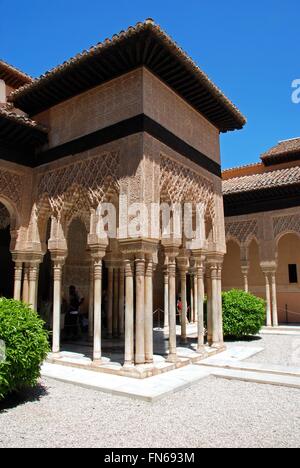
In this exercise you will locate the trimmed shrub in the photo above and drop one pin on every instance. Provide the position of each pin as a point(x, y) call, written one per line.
point(243, 314)
point(26, 346)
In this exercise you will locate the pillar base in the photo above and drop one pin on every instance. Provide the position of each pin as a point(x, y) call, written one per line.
point(149, 361)
point(219, 346)
point(172, 358)
point(97, 362)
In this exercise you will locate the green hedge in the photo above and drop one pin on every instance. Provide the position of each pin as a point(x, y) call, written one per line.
point(243, 313)
point(26, 346)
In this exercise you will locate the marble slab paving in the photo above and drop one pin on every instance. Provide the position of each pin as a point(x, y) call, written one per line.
point(151, 389)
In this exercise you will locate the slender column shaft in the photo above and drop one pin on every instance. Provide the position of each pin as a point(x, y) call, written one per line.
point(110, 301)
point(33, 285)
point(192, 296)
point(215, 306)
point(121, 302)
point(91, 302)
point(274, 301)
point(268, 299)
point(25, 293)
point(18, 280)
point(209, 308)
point(166, 297)
point(172, 312)
point(195, 315)
point(200, 308)
point(97, 308)
point(129, 315)
point(220, 307)
point(246, 284)
point(183, 273)
point(149, 313)
point(57, 277)
point(37, 287)
point(116, 302)
point(140, 311)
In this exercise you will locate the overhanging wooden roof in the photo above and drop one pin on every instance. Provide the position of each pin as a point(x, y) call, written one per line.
point(285, 151)
point(19, 131)
point(12, 76)
point(147, 45)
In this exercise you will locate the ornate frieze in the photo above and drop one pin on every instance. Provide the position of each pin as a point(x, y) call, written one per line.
point(289, 223)
point(242, 230)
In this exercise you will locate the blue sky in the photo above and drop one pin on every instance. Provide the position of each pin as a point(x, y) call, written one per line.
point(249, 49)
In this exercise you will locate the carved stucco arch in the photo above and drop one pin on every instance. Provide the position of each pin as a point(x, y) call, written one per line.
point(283, 225)
point(12, 210)
point(73, 190)
point(180, 184)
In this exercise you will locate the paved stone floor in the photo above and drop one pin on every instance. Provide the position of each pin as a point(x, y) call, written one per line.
point(211, 413)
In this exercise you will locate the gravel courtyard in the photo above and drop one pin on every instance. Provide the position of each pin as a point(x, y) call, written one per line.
point(212, 413)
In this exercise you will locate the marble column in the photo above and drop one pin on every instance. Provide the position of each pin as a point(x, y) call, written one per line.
point(18, 280)
point(129, 315)
point(183, 273)
point(274, 300)
point(33, 284)
point(110, 301)
point(91, 303)
point(25, 292)
point(215, 305)
point(245, 273)
point(58, 262)
point(220, 307)
point(209, 306)
point(140, 311)
point(116, 302)
point(192, 296)
point(121, 302)
point(166, 297)
point(97, 352)
point(149, 312)
point(268, 299)
point(200, 304)
point(195, 314)
point(172, 311)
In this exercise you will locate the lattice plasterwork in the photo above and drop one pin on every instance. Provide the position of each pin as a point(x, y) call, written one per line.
point(179, 184)
point(4, 217)
point(80, 185)
point(11, 186)
point(242, 230)
point(286, 224)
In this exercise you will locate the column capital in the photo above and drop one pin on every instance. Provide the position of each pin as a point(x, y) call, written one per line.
point(58, 257)
point(268, 267)
point(97, 251)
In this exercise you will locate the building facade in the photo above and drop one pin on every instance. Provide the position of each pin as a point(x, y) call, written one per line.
point(263, 228)
point(127, 126)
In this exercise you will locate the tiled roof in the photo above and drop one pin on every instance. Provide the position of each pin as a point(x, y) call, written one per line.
point(201, 90)
point(278, 178)
point(12, 76)
point(284, 151)
point(6, 112)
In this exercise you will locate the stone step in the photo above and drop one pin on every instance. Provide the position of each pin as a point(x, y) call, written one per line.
point(255, 377)
point(253, 367)
point(151, 389)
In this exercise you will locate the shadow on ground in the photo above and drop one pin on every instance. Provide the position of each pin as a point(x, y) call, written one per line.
point(16, 399)
point(248, 339)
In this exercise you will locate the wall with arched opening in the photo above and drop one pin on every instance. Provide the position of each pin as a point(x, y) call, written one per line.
point(78, 262)
point(256, 277)
point(288, 292)
point(6, 263)
point(232, 274)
